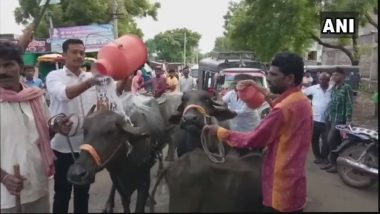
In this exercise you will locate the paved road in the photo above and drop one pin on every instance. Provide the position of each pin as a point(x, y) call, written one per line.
point(326, 192)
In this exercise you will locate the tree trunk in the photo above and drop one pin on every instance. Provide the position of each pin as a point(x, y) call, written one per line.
point(355, 49)
point(354, 57)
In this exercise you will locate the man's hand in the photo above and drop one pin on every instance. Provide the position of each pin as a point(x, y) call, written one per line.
point(14, 184)
point(91, 82)
point(211, 130)
point(64, 125)
point(245, 83)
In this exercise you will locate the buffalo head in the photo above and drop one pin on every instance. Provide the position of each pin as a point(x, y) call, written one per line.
point(192, 119)
point(109, 135)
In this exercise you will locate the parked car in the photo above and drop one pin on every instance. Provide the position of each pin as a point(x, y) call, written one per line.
point(208, 67)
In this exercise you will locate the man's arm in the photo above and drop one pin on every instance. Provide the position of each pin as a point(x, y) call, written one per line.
point(265, 134)
point(65, 93)
point(308, 91)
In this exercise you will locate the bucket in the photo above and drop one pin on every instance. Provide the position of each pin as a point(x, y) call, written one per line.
point(251, 96)
point(122, 57)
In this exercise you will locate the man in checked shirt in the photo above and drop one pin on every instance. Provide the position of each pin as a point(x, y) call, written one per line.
point(338, 112)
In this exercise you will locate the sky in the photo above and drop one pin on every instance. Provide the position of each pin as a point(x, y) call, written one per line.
point(202, 16)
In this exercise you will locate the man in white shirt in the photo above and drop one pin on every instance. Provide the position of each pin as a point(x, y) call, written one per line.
point(247, 119)
point(307, 80)
point(71, 91)
point(186, 82)
point(24, 138)
point(321, 96)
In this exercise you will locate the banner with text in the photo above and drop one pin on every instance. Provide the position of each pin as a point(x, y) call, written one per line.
point(93, 36)
point(39, 46)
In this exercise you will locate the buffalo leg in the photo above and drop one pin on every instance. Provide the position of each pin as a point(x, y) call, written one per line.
point(125, 191)
point(110, 204)
point(143, 194)
point(160, 165)
point(126, 200)
point(171, 150)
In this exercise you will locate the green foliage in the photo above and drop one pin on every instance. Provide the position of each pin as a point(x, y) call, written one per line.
point(169, 45)
point(269, 26)
point(85, 12)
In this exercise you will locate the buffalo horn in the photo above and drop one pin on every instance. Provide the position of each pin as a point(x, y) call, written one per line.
point(134, 130)
point(92, 109)
point(216, 103)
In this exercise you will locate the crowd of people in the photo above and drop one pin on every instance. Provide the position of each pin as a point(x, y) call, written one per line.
point(287, 131)
point(332, 101)
point(26, 139)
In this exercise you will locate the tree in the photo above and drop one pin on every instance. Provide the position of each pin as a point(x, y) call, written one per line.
point(84, 12)
point(169, 45)
point(269, 26)
point(222, 44)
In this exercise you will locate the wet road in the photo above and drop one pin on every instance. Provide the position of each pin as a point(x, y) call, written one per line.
point(326, 192)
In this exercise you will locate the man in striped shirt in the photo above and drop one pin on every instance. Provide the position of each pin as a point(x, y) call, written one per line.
point(286, 131)
point(338, 112)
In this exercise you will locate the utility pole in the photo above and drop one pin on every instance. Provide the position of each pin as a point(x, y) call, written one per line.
point(114, 19)
point(197, 55)
point(184, 51)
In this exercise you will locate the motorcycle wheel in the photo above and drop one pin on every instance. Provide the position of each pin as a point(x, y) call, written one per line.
point(353, 177)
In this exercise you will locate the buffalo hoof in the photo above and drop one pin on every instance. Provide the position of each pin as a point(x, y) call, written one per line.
point(150, 202)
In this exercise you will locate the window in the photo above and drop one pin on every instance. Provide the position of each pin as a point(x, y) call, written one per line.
point(312, 55)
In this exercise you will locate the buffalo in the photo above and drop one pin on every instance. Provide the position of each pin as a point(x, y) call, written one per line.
point(127, 152)
point(197, 184)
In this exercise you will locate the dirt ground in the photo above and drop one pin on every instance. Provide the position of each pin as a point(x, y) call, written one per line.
point(326, 192)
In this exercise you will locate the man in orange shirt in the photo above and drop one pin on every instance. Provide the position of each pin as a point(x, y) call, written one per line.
point(172, 81)
point(286, 131)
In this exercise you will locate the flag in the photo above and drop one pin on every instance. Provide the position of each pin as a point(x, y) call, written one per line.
point(43, 2)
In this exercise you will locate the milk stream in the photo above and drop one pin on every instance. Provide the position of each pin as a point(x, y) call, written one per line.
point(106, 94)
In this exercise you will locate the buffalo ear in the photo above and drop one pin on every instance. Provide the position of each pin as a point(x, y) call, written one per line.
point(175, 118)
point(223, 113)
point(216, 102)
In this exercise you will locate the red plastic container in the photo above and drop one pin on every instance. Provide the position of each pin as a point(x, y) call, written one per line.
point(122, 57)
point(251, 96)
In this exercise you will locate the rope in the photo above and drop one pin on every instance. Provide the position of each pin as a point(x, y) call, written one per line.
point(214, 157)
point(53, 124)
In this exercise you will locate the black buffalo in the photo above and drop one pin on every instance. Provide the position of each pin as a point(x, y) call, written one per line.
point(197, 184)
point(129, 151)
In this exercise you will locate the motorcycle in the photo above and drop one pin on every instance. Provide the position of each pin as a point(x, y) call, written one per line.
point(357, 162)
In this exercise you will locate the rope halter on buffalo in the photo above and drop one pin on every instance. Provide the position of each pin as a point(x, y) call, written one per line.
point(208, 120)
